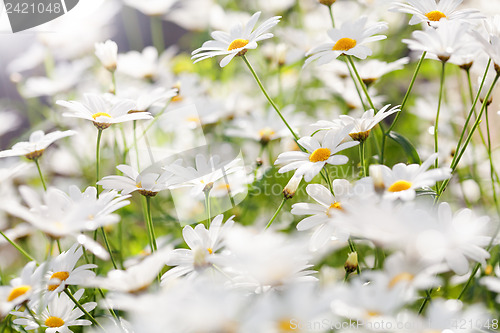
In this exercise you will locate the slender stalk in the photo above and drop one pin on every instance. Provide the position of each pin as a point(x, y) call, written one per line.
point(18, 248)
point(59, 246)
point(355, 84)
point(436, 123)
point(207, 207)
point(275, 107)
point(88, 315)
point(106, 242)
point(330, 10)
point(135, 145)
point(157, 33)
point(113, 80)
point(490, 157)
point(426, 300)
point(98, 160)
point(459, 154)
point(276, 213)
point(40, 173)
point(362, 157)
point(149, 222)
point(32, 314)
point(361, 83)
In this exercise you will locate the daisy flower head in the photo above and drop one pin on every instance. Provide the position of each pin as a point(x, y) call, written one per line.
point(349, 39)
point(363, 125)
point(433, 11)
point(62, 271)
point(58, 315)
point(236, 43)
point(36, 145)
point(101, 112)
point(318, 154)
point(402, 180)
point(107, 53)
point(447, 40)
point(147, 183)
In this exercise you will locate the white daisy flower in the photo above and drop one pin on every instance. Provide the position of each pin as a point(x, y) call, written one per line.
point(107, 53)
point(373, 69)
point(443, 42)
point(147, 183)
point(102, 113)
point(204, 249)
point(236, 43)
point(323, 212)
point(151, 7)
point(432, 11)
point(152, 97)
point(62, 271)
point(349, 40)
point(58, 316)
point(21, 289)
point(36, 145)
point(140, 65)
point(310, 163)
point(402, 180)
point(363, 125)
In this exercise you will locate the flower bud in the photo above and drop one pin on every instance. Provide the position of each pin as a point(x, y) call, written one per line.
point(378, 180)
point(327, 2)
point(291, 187)
point(351, 264)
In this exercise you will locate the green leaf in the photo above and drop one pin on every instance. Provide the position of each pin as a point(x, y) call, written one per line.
point(407, 146)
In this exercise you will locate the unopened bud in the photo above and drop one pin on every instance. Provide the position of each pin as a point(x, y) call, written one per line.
point(208, 187)
point(291, 187)
point(378, 179)
point(351, 264)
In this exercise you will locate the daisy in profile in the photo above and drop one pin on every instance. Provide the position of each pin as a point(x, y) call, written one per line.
point(147, 183)
point(432, 11)
point(36, 145)
point(318, 154)
point(236, 43)
point(349, 40)
point(101, 112)
point(62, 271)
point(58, 316)
point(447, 40)
point(402, 180)
point(362, 126)
point(107, 53)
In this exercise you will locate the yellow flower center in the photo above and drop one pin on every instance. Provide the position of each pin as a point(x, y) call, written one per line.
point(237, 43)
point(266, 133)
point(61, 276)
point(320, 155)
point(400, 185)
point(285, 325)
point(210, 250)
point(100, 114)
point(18, 291)
point(335, 205)
point(344, 44)
point(373, 313)
point(54, 322)
point(138, 185)
point(435, 15)
point(405, 276)
point(488, 270)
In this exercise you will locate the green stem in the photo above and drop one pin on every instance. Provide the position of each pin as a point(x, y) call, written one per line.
point(40, 173)
point(268, 97)
point(361, 83)
point(362, 157)
point(106, 242)
point(330, 10)
point(355, 84)
point(59, 246)
point(88, 315)
point(426, 300)
point(276, 213)
point(113, 80)
point(18, 248)
point(436, 123)
point(149, 221)
point(490, 157)
point(32, 314)
point(459, 154)
point(135, 145)
point(207, 207)
point(157, 33)
point(98, 160)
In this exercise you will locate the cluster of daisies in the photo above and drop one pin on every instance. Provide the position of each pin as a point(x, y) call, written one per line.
point(141, 203)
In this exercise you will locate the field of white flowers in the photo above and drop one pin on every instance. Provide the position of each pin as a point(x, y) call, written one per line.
point(283, 166)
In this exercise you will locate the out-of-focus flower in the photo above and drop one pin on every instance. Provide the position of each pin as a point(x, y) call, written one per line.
point(432, 11)
point(237, 42)
point(204, 249)
point(450, 38)
point(147, 183)
point(62, 271)
point(349, 40)
point(152, 7)
point(310, 163)
point(107, 53)
point(36, 145)
point(58, 316)
point(102, 113)
point(140, 65)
